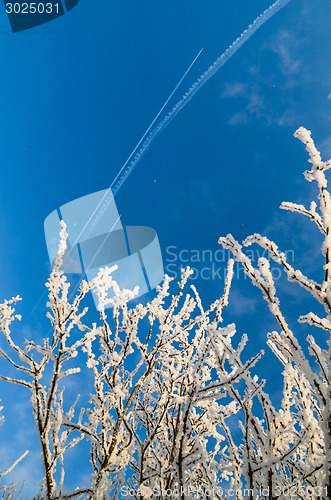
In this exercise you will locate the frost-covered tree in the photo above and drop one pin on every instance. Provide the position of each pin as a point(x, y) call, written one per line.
point(164, 389)
point(177, 410)
point(306, 410)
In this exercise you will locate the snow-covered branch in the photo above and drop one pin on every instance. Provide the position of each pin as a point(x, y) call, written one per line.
point(306, 391)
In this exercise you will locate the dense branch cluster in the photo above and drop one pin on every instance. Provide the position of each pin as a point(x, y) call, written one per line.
point(176, 409)
point(307, 394)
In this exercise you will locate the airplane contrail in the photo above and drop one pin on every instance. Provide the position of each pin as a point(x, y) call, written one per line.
point(202, 80)
point(220, 61)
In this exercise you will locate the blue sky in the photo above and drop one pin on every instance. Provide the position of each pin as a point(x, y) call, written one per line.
point(78, 93)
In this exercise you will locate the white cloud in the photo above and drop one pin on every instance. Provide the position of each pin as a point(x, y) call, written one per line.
point(239, 118)
point(256, 105)
point(270, 93)
point(235, 89)
point(283, 46)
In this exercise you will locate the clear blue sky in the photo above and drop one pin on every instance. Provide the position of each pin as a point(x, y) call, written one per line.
point(78, 93)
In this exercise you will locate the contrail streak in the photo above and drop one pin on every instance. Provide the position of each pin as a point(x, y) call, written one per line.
point(220, 61)
point(156, 117)
point(108, 196)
